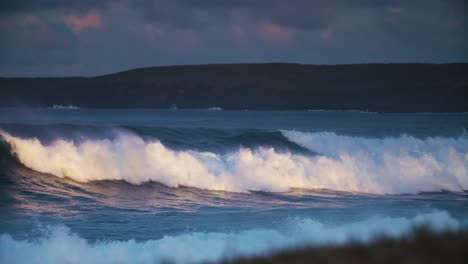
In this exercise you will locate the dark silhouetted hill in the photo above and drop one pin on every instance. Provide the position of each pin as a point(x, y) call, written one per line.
point(372, 87)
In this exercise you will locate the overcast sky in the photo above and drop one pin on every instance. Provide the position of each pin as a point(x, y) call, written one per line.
point(90, 37)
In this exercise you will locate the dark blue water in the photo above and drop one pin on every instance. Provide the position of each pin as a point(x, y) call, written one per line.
point(144, 186)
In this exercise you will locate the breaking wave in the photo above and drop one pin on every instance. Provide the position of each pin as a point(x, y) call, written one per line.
point(59, 245)
point(381, 166)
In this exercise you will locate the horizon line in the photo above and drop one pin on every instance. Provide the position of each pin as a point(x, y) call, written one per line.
point(234, 63)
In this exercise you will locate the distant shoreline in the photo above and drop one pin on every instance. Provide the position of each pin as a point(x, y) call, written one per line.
point(26, 108)
point(270, 86)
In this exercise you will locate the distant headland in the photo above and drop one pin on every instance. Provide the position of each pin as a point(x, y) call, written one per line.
point(268, 86)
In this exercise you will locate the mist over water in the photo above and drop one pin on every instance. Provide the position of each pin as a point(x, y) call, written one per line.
point(145, 186)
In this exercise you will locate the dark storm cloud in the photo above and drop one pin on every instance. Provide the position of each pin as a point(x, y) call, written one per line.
point(35, 5)
point(298, 3)
point(65, 37)
point(174, 13)
point(301, 14)
point(195, 13)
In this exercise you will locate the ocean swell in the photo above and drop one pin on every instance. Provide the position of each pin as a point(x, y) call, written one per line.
point(381, 166)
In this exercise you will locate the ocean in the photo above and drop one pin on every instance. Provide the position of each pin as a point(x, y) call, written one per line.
point(188, 186)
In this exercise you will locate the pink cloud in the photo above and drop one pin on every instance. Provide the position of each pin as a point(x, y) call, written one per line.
point(4, 25)
point(44, 35)
point(275, 33)
point(72, 69)
point(455, 24)
point(240, 35)
point(326, 34)
point(153, 31)
point(173, 39)
point(79, 23)
point(51, 70)
point(393, 10)
point(39, 27)
point(187, 37)
point(32, 20)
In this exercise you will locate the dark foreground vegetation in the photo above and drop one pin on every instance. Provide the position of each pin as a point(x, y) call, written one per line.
point(273, 86)
point(422, 247)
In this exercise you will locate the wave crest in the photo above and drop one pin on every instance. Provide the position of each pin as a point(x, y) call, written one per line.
point(381, 166)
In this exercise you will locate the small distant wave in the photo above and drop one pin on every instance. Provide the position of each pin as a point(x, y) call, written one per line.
point(214, 108)
point(64, 107)
point(341, 111)
point(380, 166)
point(59, 245)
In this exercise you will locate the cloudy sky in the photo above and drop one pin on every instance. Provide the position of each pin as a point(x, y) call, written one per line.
point(90, 37)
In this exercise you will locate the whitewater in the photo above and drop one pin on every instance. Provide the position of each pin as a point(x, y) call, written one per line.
point(60, 245)
point(382, 166)
point(149, 186)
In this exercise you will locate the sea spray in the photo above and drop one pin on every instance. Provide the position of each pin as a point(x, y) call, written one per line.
point(382, 166)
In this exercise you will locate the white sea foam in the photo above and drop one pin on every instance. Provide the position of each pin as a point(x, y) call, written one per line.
point(215, 108)
point(59, 245)
point(383, 166)
point(64, 107)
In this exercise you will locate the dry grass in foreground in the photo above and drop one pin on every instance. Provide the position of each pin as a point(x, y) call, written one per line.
point(422, 246)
